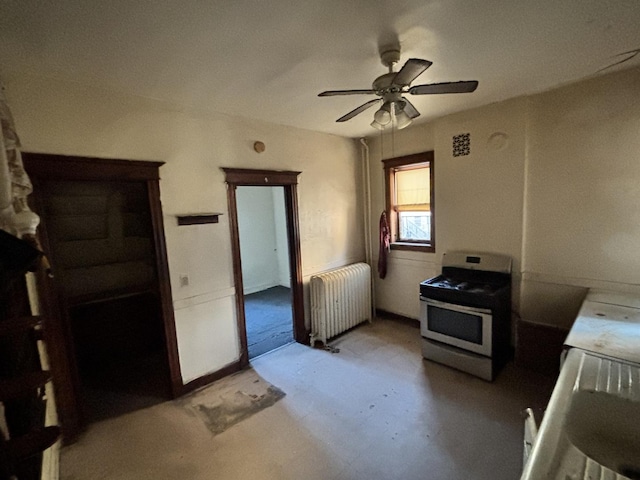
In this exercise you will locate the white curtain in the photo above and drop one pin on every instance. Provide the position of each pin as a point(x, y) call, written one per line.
point(412, 189)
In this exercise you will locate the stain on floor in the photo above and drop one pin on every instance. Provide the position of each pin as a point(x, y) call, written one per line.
point(232, 400)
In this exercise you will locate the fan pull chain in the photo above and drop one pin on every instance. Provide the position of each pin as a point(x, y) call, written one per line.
point(393, 138)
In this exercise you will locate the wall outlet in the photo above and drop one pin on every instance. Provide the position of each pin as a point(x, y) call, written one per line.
point(184, 280)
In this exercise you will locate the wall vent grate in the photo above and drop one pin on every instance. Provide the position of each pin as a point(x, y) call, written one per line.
point(461, 145)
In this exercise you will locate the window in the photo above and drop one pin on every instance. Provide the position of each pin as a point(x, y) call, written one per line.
point(410, 209)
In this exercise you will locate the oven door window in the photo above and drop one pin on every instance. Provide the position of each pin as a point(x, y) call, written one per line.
point(463, 326)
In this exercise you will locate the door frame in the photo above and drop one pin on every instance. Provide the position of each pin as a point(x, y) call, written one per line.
point(57, 331)
point(244, 177)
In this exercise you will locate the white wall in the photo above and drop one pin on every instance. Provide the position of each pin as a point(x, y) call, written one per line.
point(262, 225)
point(561, 195)
point(60, 117)
point(583, 195)
point(282, 242)
point(478, 198)
point(398, 292)
point(258, 248)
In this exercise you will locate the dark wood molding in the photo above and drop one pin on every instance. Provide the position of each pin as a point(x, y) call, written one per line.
point(57, 328)
point(300, 333)
point(432, 206)
point(235, 177)
point(237, 274)
point(89, 168)
point(414, 248)
point(397, 317)
point(212, 377)
point(164, 287)
point(251, 177)
point(198, 219)
point(409, 159)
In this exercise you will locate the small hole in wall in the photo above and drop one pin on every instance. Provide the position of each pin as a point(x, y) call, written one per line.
point(461, 145)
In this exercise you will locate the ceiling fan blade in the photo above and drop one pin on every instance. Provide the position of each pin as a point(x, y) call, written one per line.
point(409, 109)
point(331, 93)
point(358, 110)
point(411, 70)
point(446, 87)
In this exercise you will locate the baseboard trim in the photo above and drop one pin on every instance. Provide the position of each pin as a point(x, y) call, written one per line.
point(397, 317)
point(248, 290)
point(211, 377)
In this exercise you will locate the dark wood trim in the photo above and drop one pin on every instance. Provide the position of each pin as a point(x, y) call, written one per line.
point(164, 288)
point(89, 168)
point(212, 377)
point(251, 177)
point(237, 274)
point(397, 317)
point(198, 219)
point(414, 248)
point(389, 165)
point(301, 333)
point(432, 200)
point(57, 330)
point(234, 178)
point(409, 159)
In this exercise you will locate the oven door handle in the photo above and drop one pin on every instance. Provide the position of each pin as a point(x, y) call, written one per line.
point(454, 306)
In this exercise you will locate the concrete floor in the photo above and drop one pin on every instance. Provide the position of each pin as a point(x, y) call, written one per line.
point(375, 410)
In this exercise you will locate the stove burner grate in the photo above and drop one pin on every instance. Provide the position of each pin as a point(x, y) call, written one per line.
point(464, 286)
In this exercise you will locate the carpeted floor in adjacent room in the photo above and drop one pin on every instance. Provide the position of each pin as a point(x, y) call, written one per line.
point(268, 319)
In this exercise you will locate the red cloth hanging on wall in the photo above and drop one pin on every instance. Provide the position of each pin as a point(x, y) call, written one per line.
point(385, 245)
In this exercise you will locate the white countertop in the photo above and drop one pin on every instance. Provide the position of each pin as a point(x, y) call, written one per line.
point(613, 298)
point(608, 324)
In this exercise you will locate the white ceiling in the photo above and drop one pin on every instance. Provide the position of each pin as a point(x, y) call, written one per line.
point(268, 59)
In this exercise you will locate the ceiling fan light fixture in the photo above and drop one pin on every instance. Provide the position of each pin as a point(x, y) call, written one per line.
point(382, 116)
point(377, 125)
point(402, 120)
point(397, 111)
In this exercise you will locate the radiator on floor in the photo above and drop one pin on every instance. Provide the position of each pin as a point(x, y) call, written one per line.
point(340, 300)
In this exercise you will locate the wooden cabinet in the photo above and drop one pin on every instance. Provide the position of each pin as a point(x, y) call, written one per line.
point(23, 377)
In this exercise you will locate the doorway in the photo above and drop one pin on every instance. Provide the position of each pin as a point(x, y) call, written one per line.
point(100, 237)
point(110, 330)
point(264, 254)
point(236, 179)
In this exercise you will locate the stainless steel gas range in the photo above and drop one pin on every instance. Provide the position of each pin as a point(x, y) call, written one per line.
point(465, 313)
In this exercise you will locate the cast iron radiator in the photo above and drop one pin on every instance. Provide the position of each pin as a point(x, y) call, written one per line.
point(340, 300)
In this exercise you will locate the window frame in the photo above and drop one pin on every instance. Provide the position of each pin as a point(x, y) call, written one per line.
point(390, 167)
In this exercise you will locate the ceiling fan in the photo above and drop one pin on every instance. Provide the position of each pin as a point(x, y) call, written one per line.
point(391, 87)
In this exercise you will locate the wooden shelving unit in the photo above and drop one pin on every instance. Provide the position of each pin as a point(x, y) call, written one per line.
point(24, 377)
